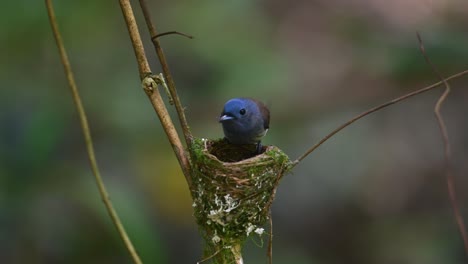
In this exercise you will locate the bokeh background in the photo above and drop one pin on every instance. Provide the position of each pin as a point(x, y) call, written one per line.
point(375, 193)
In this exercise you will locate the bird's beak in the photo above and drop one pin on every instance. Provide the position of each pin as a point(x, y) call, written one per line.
point(225, 117)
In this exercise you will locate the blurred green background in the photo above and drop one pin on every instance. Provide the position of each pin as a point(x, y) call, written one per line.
point(375, 193)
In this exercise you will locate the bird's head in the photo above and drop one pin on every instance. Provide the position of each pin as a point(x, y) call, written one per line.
point(244, 120)
point(237, 109)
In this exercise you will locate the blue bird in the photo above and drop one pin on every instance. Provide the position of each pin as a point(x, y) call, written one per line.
point(245, 121)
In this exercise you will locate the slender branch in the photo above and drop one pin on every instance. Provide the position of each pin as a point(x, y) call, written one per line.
point(270, 242)
point(87, 135)
point(268, 205)
point(167, 74)
point(447, 152)
point(152, 92)
point(374, 109)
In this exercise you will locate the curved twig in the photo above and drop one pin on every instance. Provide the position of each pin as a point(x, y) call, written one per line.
point(447, 152)
point(172, 33)
point(87, 135)
point(372, 110)
point(167, 74)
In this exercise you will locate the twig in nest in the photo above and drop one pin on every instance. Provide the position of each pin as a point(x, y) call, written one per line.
point(447, 151)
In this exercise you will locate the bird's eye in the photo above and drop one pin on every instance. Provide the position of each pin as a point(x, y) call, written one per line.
point(242, 111)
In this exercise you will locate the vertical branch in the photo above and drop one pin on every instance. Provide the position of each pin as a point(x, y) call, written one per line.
point(447, 151)
point(166, 72)
point(87, 135)
point(143, 66)
point(270, 242)
point(152, 91)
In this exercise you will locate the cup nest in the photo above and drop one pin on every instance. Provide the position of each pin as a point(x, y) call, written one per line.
point(234, 189)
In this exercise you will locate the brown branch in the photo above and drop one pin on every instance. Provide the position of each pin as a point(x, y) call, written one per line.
point(143, 65)
point(372, 110)
point(166, 72)
point(268, 205)
point(152, 91)
point(87, 135)
point(447, 152)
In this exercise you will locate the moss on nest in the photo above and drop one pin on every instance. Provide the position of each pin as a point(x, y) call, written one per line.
point(234, 189)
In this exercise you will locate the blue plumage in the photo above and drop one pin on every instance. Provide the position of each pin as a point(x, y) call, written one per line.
point(245, 121)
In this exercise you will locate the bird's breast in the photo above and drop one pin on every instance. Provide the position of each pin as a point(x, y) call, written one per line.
point(243, 133)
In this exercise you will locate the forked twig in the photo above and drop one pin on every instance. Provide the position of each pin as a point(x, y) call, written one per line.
point(87, 135)
point(447, 151)
point(167, 74)
point(153, 93)
point(374, 109)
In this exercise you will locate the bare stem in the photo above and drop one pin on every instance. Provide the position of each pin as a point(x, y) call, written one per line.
point(153, 93)
point(270, 242)
point(375, 109)
point(447, 152)
point(87, 135)
point(167, 74)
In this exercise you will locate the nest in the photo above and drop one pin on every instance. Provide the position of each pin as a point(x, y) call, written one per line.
point(234, 189)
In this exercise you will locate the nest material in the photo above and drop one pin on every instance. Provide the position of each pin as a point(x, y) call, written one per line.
point(232, 199)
